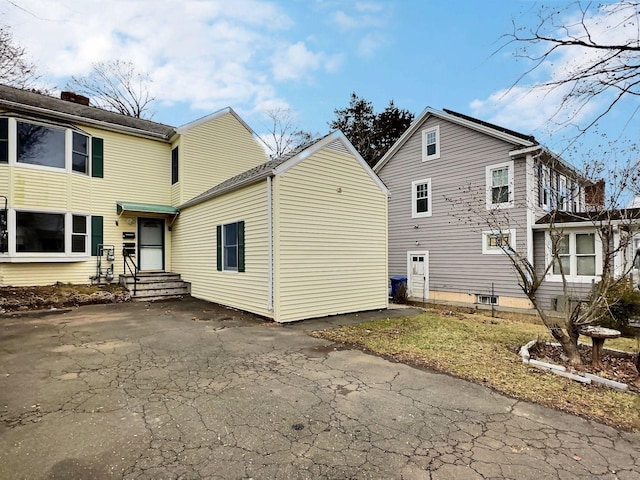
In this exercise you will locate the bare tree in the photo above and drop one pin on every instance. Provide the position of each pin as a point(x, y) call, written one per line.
point(116, 85)
point(598, 48)
point(614, 227)
point(284, 133)
point(16, 69)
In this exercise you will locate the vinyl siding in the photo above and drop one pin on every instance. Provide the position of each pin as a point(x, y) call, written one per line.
point(330, 238)
point(453, 236)
point(214, 151)
point(194, 249)
point(135, 169)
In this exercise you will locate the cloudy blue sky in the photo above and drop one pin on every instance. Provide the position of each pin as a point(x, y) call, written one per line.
point(306, 55)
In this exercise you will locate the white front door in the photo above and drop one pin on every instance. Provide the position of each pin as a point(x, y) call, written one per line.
point(418, 275)
point(151, 243)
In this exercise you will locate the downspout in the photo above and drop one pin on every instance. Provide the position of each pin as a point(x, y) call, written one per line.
point(531, 186)
point(269, 244)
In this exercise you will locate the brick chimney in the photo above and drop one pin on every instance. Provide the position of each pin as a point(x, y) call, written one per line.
point(594, 194)
point(75, 98)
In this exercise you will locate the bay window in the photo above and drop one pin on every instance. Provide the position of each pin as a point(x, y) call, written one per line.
point(46, 236)
point(576, 255)
point(57, 147)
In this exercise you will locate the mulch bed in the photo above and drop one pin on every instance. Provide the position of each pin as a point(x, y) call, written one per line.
point(614, 367)
point(20, 299)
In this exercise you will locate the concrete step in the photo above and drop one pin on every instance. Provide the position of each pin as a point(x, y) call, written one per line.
point(156, 286)
point(147, 277)
point(160, 298)
point(178, 288)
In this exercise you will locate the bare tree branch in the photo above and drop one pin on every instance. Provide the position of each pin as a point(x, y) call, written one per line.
point(284, 133)
point(16, 69)
point(117, 86)
point(598, 64)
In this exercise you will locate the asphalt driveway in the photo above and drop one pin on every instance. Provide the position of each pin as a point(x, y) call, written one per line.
point(192, 390)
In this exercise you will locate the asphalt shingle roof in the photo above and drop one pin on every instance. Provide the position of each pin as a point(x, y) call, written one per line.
point(15, 99)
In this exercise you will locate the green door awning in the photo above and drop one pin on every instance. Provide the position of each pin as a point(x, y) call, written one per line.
point(135, 207)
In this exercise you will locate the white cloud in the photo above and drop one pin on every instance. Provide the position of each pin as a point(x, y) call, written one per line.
point(344, 21)
point(369, 44)
point(294, 62)
point(207, 53)
point(371, 7)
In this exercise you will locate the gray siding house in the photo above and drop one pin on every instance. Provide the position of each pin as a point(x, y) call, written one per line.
point(459, 189)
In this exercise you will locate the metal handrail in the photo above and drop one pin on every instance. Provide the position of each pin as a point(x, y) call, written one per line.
point(134, 271)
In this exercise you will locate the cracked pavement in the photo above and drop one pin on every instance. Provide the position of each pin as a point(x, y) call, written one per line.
point(192, 390)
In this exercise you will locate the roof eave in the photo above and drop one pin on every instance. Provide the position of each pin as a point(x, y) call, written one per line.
point(427, 112)
point(85, 120)
point(244, 183)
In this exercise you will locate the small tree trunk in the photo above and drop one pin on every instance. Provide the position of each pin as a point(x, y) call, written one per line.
point(569, 345)
point(568, 340)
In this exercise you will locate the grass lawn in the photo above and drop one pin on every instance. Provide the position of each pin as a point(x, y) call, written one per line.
point(484, 350)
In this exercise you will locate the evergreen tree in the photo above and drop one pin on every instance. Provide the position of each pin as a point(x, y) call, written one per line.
point(370, 133)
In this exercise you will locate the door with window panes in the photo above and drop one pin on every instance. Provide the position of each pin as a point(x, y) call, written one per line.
point(417, 281)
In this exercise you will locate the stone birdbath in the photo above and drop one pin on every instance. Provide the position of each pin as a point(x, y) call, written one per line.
point(598, 336)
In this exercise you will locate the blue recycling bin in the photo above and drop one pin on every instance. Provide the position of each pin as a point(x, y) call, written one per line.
point(395, 284)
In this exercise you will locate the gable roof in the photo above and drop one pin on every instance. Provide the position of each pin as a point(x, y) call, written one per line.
point(24, 101)
point(517, 139)
point(212, 116)
point(281, 165)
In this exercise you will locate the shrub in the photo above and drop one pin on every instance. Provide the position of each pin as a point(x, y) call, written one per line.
point(622, 304)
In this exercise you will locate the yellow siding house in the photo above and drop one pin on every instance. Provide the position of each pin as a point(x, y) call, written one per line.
point(88, 195)
point(298, 237)
point(81, 186)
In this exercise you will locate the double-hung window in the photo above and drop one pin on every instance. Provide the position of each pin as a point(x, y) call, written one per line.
point(421, 198)
point(499, 185)
point(80, 153)
point(431, 143)
point(576, 255)
point(230, 247)
point(79, 234)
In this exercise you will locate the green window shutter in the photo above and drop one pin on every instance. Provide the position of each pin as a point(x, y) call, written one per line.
point(97, 233)
point(241, 246)
point(97, 157)
point(219, 247)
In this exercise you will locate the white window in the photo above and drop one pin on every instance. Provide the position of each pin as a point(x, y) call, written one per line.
point(544, 187)
point(499, 184)
point(421, 198)
point(230, 247)
point(574, 196)
point(563, 195)
point(498, 241)
point(34, 236)
point(431, 143)
point(49, 147)
point(487, 299)
point(579, 256)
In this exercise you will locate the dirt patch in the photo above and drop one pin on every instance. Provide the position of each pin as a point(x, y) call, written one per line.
point(19, 299)
point(618, 367)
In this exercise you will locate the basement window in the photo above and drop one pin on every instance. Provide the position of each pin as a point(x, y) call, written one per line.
point(487, 299)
